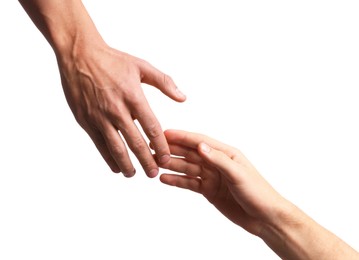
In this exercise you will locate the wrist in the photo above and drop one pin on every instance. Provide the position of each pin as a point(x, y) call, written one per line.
point(74, 47)
point(65, 24)
point(294, 235)
point(285, 232)
point(74, 34)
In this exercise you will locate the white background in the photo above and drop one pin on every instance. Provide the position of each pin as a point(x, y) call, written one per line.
point(277, 79)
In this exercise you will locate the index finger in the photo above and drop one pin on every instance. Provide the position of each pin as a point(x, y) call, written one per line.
point(192, 140)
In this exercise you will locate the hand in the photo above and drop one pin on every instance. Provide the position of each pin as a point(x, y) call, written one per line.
point(224, 176)
point(103, 89)
point(103, 85)
point(229, 181)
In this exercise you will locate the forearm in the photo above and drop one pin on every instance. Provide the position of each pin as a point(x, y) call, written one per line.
point(296, 236)
point(64, 23)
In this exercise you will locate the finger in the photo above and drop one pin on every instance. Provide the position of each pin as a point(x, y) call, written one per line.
point(219, 160)
point(188, 153)
point(191, 155)
point(192, 140)
point(180, 181)
point(101, 146)
point(156, 78)
point(153, 130)
point(139, 147)
point(183, 166)
point(118, 150)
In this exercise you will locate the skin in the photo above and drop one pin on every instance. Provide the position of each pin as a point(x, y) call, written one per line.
point(231, 183)
point(103, 86)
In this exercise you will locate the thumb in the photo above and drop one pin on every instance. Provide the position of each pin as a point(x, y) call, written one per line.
point(152, 76)
point(219, 160)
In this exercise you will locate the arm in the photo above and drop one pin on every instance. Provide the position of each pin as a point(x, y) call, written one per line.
point(228, 180)
point(103, 85)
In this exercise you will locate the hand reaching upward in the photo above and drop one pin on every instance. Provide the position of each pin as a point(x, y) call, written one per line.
point(229, 181)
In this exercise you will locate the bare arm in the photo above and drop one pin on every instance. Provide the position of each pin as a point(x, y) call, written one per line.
point(103, 85)
point(65, 24)
point(294, 235)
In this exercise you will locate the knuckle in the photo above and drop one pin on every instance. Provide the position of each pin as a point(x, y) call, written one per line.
point(109, 108)
point(80, 121)
point(143, 63)
point(186, 169)
point(118, 151)
point(138, 145)
point(167, 80)
point(154, 131)
point(85, 117)
point(116, 115)
point(79, 115)
point(135, 98)
point(84, 124)
point(119, 122)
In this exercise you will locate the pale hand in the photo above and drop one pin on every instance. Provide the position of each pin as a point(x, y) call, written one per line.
point(224, 176)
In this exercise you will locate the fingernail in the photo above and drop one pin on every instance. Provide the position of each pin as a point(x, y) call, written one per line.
point(180, 93)
point(129, 174)
point(153, 173)
point(164, 158)
point(205, 148)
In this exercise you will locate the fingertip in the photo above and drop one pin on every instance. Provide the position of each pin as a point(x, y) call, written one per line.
point(170, 132)
point(167, 131)
point(180, 97)
point(129, 174)
point(165, 178)
point(114, 168)
point(152, 173)
point(162, 177)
